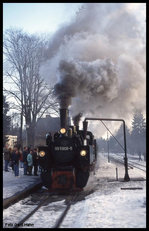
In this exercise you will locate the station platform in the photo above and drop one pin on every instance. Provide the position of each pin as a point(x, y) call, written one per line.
point(13, 185)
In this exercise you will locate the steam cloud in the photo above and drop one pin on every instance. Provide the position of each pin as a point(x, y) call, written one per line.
point(97, 79)
point(97, 62)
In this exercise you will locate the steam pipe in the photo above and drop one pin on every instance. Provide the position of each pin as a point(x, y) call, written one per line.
point(76, 120)
point(85, 124)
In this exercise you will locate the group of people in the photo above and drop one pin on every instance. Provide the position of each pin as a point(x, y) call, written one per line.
point(28, 159)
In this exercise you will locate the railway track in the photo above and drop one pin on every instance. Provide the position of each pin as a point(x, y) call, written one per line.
point(131, 164)
point(135, 163)
point(20, 223)
point(71, 201)
point(67, 202)
point(134, 166)
point(47, 200)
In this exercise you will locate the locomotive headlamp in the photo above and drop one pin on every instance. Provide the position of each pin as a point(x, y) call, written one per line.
point(63, 130)
point(41, 153)
point(83, 153)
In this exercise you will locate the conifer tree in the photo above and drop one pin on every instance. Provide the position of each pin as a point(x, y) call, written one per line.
point(138, 134)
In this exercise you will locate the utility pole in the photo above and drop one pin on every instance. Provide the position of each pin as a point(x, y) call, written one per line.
point(126, 177)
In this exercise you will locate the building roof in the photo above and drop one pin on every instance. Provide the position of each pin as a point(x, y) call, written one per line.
point(47, 124)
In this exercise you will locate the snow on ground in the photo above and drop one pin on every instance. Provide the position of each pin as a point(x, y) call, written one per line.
point(12, 184)
point(103, 164)
point(108, 207)
point(120, 209)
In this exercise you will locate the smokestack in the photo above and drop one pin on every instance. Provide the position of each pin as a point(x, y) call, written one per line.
point(76, 120)
point(64, 118)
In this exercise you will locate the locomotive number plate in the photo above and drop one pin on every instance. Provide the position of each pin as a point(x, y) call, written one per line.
point(63, 148)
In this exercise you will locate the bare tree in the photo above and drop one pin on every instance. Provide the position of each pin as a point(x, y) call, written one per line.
point(32, 96)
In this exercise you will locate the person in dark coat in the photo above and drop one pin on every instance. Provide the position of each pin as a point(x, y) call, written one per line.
point(35, 161)
point(10, 162)
point(25, 164)
point(11, 157)
point(15, 159)
point(7, 156)
point(21, 160)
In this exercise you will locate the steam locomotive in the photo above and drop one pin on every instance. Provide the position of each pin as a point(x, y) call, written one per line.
point(68, 157)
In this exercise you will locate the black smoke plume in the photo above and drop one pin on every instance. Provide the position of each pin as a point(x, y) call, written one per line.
point(97, 62)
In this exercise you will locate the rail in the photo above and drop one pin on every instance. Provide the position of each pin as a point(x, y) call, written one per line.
point(72, 200)
point(20, 223)
point(130, 165)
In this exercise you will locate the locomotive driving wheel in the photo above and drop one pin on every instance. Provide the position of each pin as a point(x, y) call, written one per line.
point(46, 178)
point(81, 178)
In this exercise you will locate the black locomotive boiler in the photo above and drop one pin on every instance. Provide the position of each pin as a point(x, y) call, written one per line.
point(68, 157)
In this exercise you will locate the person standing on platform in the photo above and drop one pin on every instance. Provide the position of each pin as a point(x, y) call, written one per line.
point(35, 162)
point(6, 157)
point(21, 160)
point(30, 162)
point(11, 158)
point(15, 159)
point(25, 165)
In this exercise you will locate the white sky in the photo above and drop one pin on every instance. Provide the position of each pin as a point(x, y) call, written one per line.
point(47, 17)
point(38, 17)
